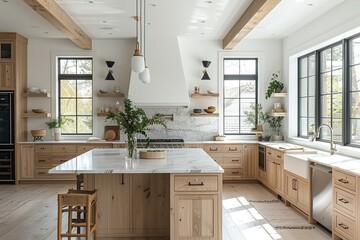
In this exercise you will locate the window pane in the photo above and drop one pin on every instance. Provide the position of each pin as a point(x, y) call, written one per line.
point(85, 124)
point(311, 124)
point(311, 106)
point(231, 107)
point(245, 105)
point(245, 126)
point(325, 58)
point(325, 132)
point(248, 66)
point(303, 107)
point(303, 67)
point(337, 57)
point(326, 106)
point(303, 126)
point(337, 106)
point(232, 125)
point(84, 106)
point(231, 67)
point(355, 131)
point(68, 88)
point(303, 87)
point(355, 51)
point(231, 89)
point(84, 88)
point(337, 81)
point(70, 125)
point(311, 86)
point(355, 105)
point(67, 66)
point(312, 65)
point(247, 88)
point(68, 106)
point(325, 83)
point(355, 77)
point(337, 130)
point(84, 66)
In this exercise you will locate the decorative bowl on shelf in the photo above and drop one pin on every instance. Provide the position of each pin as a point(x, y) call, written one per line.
point(38, 110)
point(211, 107)
point(43, 90)
point(38, 133)
point(211, 91)
point(210, 110)
point(32, 89)
point(102, 91)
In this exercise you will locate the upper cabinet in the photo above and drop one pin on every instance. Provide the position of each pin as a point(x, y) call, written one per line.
point(7, 51)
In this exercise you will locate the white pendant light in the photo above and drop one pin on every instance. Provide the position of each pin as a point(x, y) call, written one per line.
point(145, 75)
point(137, 61)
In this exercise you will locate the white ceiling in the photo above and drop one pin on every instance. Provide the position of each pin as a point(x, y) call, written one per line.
point(209, 19)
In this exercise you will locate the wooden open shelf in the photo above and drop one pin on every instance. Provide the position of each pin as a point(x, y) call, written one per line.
point(282, 94)
point(205, 114)
point(194, 95)
point(111, 94)
point(278, 114)
point(35, 115)
point(257, 131)
point(102, 114)
point(26, 94)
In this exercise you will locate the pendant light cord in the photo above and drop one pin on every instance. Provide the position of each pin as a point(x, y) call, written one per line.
point(144, 30)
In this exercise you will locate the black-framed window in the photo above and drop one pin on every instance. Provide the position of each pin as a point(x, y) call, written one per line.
point(337, 91)
point(240, 93)
point(75, 81)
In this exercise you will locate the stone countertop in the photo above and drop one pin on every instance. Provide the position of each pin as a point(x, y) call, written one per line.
point(191, 161)
point(340, 162)
point(73, 142)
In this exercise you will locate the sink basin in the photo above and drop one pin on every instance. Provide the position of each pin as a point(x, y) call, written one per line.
point(299, 163)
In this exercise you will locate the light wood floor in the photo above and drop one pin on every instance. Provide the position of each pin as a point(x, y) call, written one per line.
point(29, 212)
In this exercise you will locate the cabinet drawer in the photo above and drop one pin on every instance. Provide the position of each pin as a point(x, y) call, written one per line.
point(60, 159)
point(233, 172)
point(344, 180)
point(235, 148)
point(42, 173)
point(345, 202)
point(43, 161)
point(61, 148)
point(212, 148)
point(196, 183)
point(217, 157)
point(102, 145)
point(232, 162)
point(41, 148)
point(83, 148)
point(344, 225)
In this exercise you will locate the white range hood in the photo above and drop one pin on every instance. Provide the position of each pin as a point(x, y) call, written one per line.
point(168, 87)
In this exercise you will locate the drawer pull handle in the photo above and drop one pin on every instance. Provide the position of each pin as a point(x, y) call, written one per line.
point(278, 156)
point(213, 149)
point(196, 184)
point(235, 172)
point(343, 226)
point(343, 180)
point(41, 173)
point(42, 160)
point(233, 149)
point(235, 160)
point(343, 200)
point(269, 153)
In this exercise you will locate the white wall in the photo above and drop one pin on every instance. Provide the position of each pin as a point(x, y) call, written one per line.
point(41, 74)
point(336, 24)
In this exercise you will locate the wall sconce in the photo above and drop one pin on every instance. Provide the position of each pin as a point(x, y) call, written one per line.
point(109, 76)
point(206, 64)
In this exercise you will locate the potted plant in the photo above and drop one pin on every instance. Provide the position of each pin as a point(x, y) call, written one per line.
point(256, 117)
point(274, 86)
point(133, 121)
point(312, 133)
point(55, 124)
point(275, 125)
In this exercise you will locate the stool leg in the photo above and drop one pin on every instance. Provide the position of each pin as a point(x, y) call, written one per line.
point(69, 221)
point(95, 220)
point(59, 225)
point(88, 219)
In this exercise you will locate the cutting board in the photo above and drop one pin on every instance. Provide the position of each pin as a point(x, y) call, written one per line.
point(109, 133)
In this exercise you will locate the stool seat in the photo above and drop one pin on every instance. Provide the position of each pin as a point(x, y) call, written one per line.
point(83, 204)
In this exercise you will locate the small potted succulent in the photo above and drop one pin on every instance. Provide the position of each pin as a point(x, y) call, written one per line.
point(275, 86)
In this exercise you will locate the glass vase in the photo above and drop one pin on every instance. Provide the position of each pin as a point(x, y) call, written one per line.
point(131, 145)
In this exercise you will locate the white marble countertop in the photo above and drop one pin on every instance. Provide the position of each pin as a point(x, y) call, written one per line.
point(341, 162)
point(193, 160)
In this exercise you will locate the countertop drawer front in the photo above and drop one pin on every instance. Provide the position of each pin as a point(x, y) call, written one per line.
point(344, 180)
point(42, 173)
point(235, 162)
point(41, 148)
point(345, 202)
point(60, 159)
point(61, 148)
point(233, 148)
point(233, 172)
point(43, 161)
point(344, 225)
point(196, 183)
point(270, 153)
point(213, 148)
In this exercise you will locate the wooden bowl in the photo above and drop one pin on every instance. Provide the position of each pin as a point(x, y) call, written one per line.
point(38, 133)
point(210, 110)
point(39, 110)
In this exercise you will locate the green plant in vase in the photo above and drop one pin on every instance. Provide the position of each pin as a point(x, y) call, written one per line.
point(256, 117)
point(275, 125)
point(55, 124)
point(274, 86)
point(133, 121)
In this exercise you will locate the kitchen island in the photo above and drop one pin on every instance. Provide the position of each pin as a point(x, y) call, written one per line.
point(178, 197)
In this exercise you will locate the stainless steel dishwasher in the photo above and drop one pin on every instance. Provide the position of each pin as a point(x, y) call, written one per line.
point(321, 185)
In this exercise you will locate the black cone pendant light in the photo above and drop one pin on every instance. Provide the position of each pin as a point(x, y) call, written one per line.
point(109, 76)
point(206, 64)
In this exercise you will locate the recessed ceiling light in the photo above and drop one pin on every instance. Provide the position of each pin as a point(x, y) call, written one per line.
point(207, 1)
point(110, 33)
point(106, 28)
point(104, 21)
point(5, 1)
point(148, 23)
point(34, 26)
point(152, 5)
point(202, 33)
point(90, 1)
point(46, 32)
point(310, 4)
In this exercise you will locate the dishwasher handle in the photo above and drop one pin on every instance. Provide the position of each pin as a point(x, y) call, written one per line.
point(321, 168)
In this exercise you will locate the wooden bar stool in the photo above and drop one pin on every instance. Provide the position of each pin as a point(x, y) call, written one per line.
point(78, 201)
point(80, 181)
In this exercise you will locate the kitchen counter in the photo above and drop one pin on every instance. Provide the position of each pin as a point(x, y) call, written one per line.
point(113, 161)
point(340, 162)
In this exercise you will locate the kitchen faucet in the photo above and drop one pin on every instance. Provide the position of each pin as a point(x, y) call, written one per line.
point(332, 144)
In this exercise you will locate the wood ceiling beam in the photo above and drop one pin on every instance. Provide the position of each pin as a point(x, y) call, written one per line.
point(52, 12)
point(252, 16)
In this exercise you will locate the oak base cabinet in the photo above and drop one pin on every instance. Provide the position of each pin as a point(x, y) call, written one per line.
point(297, 191)
point(275, 170)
